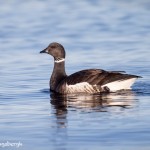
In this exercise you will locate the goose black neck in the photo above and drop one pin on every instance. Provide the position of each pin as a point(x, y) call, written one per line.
point(58, 74)
point(59, 68)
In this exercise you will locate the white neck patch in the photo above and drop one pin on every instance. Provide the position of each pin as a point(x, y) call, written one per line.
point(58, 60)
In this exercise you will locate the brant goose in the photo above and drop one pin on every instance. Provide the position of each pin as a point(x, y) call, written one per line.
point(85, 81)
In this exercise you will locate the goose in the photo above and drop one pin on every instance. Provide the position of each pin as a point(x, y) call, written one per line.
point(84, 81)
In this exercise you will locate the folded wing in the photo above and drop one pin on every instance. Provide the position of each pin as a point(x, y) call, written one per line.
point(94, 80)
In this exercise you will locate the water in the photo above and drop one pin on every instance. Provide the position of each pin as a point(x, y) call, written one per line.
point(112, 35)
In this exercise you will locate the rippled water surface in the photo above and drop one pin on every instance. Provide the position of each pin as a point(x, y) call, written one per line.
point(111, 35)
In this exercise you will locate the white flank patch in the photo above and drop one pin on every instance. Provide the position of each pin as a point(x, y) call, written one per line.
point(120, 84)
point(83, 87)
point(60, 60)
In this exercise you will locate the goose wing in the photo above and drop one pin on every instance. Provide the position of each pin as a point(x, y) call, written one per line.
point(92, 77)
point(97, 77)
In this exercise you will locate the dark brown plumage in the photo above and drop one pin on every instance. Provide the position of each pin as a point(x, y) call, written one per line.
point(88, 81)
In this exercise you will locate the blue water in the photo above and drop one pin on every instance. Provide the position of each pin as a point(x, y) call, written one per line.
point(111, 35)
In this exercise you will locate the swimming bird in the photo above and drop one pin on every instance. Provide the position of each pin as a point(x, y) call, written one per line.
point(84, 81)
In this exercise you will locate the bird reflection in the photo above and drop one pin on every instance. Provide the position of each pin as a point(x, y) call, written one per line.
point(62, 104)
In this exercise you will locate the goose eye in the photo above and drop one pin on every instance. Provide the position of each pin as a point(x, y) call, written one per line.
point(53, 46)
